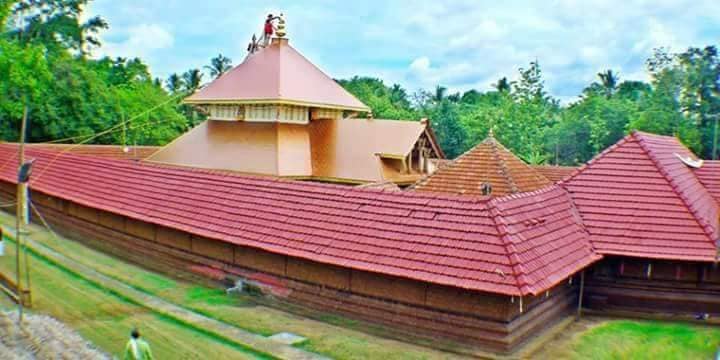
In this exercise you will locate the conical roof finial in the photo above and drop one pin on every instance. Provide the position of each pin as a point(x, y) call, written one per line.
point(281, 32)
point(491, 133)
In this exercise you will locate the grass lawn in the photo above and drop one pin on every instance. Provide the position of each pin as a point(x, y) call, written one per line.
point(106, 320)
point(334, 336)
point(631, 339)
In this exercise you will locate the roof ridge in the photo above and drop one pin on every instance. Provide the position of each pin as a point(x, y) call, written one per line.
point(510, 250)
point(503, 167)
point(523, 163)
point(707, 228)
point(326, 75)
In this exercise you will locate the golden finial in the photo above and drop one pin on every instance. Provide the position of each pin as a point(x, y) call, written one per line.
point(491, 133)
point(281, 27)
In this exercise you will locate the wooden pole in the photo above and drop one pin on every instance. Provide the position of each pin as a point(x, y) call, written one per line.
point(580, 297)
point(19, 215)
point(715, 138)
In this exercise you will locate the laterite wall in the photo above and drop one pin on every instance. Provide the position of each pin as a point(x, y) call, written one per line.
point(654, 286)
point(495, 322)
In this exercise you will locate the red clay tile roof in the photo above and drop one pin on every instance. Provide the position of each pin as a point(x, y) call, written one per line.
point(488, 162)
point(554, 173)
point(109, 151)
point(709, 175)
point(278, 74)
point(515, 246)
point(638, 199)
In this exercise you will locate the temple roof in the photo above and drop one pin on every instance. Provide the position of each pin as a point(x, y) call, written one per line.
point(554, 173)
point(516, 245)
point(638, 198)
point(709, 175)
point(278, 74)
point(488, 162)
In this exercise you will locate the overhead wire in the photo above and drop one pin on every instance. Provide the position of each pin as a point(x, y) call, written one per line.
point(117, 127)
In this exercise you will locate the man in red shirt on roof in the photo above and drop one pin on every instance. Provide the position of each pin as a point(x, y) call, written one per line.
point(269, 28)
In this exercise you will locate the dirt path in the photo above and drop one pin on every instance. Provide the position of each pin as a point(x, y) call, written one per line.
point(155, 304)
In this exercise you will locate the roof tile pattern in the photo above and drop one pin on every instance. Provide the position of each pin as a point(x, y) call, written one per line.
point(108, 151)
point(506, 246)
point(638, 199)
point(709, 176)
point(554, 173)
point(488, 162)
point(544, 237)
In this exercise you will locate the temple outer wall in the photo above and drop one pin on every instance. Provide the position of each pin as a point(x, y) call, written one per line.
point(494, 322)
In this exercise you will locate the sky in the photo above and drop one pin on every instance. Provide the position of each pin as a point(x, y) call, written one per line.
point(419, 44)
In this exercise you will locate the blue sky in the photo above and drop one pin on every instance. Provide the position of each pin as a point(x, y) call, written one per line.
point(419, 43)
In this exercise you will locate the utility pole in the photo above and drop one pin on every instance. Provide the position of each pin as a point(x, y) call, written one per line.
point(19, 218)
point(713, 155)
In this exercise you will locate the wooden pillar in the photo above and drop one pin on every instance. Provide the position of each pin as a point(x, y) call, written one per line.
point(580, 296)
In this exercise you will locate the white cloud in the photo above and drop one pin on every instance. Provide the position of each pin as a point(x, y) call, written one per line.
point(141, 40)
point(459, 44)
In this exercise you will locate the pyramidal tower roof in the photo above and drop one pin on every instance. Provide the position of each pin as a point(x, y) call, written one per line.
point(488, 162)
point(277, 74)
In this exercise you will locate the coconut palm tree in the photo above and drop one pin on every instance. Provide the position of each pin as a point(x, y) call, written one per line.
point(219, 65)
point(503, 85)
point(440, 92)
point(174, 83)
point(609, 81)
point(192, 79)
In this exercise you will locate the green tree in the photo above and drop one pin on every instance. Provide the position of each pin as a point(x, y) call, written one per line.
point(192, 79)
point(385, 102)
point(25, 75)
point(503, 85)
point(57, 24)
point(219, 65)
point(609, 82)
point(175, 83)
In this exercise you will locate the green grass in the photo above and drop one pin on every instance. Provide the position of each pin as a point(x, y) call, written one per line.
point(105, 319)
point(334, 336)
point(628, 339)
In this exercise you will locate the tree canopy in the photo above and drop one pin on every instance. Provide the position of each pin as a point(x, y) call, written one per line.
point(45, 65)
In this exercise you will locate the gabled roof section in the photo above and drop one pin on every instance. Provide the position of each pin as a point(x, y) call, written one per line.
point(554, 173)
point(278, 74)
point(514, 246)
point(637, 198)
point(709, 176)
point(488, 162)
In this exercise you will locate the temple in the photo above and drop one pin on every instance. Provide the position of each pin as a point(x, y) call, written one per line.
point(278, 114)
point(484, 250)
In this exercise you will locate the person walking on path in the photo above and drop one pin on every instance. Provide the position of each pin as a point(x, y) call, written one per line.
point(137, 348)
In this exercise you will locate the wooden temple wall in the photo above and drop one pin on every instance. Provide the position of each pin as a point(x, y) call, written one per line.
point(621, 283)
point(495, 322)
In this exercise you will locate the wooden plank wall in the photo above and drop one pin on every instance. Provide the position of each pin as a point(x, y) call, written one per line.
point(654, 286)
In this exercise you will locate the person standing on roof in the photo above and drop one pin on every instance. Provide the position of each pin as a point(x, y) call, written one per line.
point(269, 29)
point(137, 348)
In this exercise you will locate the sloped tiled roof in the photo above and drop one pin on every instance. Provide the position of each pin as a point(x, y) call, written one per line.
point(544, 237)
point(488, 162)
point(108, 151)
point(637, 198)
point(554, 173)
point(709, 175)
point(278, 74)
point(518, 245)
